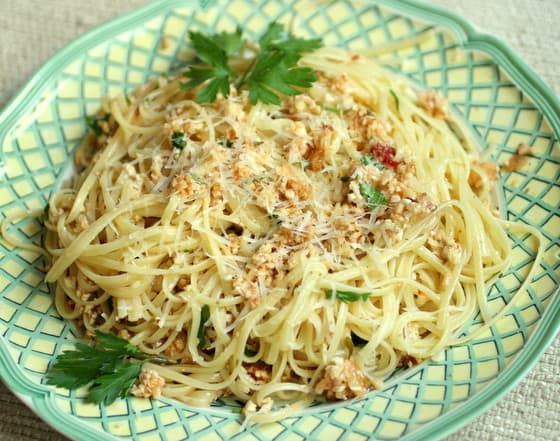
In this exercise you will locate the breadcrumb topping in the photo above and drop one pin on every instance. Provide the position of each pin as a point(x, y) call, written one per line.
point(343, 380)
point(149, 384)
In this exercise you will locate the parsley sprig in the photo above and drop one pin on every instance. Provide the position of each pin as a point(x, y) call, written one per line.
point(111, 366)
point(272, 71)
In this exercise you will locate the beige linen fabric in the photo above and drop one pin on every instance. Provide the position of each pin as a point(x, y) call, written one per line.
point(31, 31)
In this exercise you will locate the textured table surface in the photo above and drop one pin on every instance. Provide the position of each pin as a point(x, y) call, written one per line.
point(31, 31)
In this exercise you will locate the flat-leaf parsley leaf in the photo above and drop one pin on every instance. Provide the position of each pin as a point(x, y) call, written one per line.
point(272, 71)
point(111, 366)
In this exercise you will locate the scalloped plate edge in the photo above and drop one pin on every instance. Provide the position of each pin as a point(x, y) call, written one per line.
point(35, 396)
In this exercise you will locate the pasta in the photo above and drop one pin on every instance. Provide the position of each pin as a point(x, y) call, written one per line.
point(278, 254)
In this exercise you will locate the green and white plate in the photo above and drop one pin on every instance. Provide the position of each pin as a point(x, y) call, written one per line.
point(504, 102)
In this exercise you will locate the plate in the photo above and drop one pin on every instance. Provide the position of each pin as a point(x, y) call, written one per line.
point(500, 98)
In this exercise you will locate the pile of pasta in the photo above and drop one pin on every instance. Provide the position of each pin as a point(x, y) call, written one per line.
point(278, 254)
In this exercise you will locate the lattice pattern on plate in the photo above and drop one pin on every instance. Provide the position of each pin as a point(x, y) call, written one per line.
point(37, 140)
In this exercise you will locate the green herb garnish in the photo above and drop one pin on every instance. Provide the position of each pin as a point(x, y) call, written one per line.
point(197, 179)
point(273, 70)
point(374, 198)
point(111, 366)
point(396, 98)
point(45, 214)
point(178, 140)
point(204, 316)
point(226, 143)
point(346, 296)
point(275, 217)
point(93, 123)
point(332, 109)
point(369, 160)
point(250, 352)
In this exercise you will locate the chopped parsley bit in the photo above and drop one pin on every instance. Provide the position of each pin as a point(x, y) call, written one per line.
point(250, 352)
point(257, 143)
point(45, 214)
point(374, 198)
point(357, 341)
point(197, 179)
point(127, 99)
point(204, 316)
point(369, 160)
point(345, 178)
point(186, 250)
point(226, 143)
point(179, 140)
point(303, 163)
point(346, 296)
point(395, 96)
point(273, 70)
point(332, 110)
point(93, 123)
point(237, 410)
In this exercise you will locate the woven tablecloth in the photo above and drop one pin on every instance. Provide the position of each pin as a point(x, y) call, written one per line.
point(31, 31)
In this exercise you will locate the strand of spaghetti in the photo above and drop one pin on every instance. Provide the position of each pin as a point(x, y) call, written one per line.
point(82, 241)
point(534, 232)
point(12, 239)
point(109, 153)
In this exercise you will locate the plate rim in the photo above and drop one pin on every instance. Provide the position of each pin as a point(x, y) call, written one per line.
point(469, 37)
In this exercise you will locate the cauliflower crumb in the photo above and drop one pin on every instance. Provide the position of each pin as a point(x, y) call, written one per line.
point(251, 408)
point(176, 348)
point(445, 247)
point(434, 103)
point(518, 160)
point(340, 84)
point(247, 288)
point(319, 149)
point(149, 385)
point(156, 168)
point(343, 380)
point(185, 186)
point(260, 372)
point(490, 169)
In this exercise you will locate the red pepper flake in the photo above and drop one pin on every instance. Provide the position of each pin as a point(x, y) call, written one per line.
point(385, 154)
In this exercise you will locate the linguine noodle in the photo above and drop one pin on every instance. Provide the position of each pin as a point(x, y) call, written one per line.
point(279, 253)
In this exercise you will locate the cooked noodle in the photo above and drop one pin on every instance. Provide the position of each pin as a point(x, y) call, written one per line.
point(256, 217)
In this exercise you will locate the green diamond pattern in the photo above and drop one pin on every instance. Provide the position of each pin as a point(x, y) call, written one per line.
point(40, 131)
